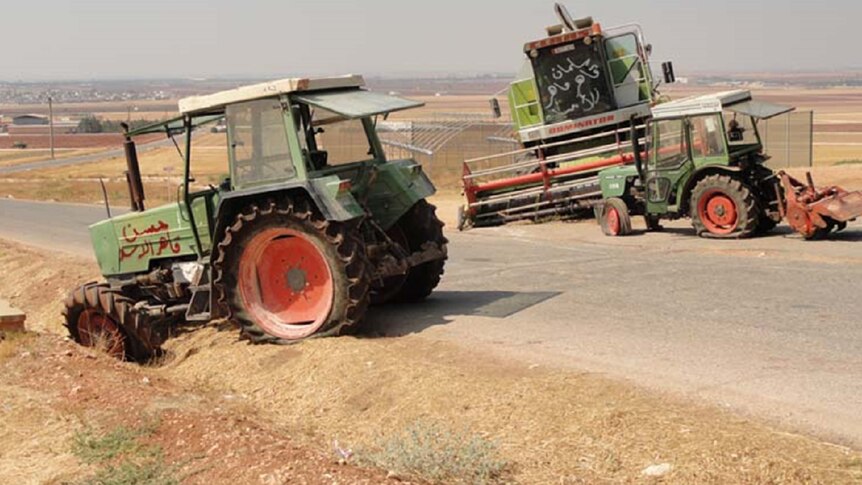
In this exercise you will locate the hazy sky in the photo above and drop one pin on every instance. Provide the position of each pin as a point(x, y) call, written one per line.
point(92, 39)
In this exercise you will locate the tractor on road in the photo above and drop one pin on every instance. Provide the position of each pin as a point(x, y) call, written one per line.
point(705, 161)
point(312, 225)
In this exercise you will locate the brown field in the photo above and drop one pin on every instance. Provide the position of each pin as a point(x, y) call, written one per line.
point(837, 139)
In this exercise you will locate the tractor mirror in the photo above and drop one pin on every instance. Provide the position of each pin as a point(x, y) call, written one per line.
point(495, 108)
point(667, 70)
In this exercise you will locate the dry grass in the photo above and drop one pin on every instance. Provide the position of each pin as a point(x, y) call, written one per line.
point(553, 426)
point(13, 343)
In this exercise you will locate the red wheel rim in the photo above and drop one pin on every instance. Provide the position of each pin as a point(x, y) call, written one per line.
point(613, 221)
point(97, 330)
point(718, 212)
point(285, 283)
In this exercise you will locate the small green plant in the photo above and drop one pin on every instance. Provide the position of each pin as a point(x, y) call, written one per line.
point(854, 161)
point(122, 458)
point(91, 447)
point(428, 451)
point(130, 472)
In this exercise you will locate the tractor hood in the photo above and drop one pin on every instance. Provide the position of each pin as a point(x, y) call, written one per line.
point(356, 103)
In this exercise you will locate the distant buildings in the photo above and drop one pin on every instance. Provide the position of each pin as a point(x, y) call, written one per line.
point(34, 124)
point(29, 120)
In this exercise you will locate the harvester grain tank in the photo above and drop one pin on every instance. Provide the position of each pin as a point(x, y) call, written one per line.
point(574, 103)
point(306, 232)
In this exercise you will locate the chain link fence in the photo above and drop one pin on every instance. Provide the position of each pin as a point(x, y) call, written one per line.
point(788, 139)
point(442, 142)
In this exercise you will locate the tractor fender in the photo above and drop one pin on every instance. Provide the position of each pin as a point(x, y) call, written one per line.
point(328, 195)
point(698, 175)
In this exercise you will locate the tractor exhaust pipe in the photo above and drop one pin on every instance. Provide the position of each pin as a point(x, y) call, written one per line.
point(133, 174)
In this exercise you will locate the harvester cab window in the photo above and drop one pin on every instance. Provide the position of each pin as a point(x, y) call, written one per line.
point(332, 139)
point(706, 137)
point(631, 85)
point(670, 149)
point(259, 150)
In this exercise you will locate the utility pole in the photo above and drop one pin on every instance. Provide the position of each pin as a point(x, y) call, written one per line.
point(51, 123)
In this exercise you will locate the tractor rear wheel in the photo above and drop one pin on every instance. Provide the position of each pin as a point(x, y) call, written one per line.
point(285, 273)
point(417, 227)
point(723, 207)
point(102, 319)
point(615, 218)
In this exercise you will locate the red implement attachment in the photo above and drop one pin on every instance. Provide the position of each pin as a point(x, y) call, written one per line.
point(814, 212)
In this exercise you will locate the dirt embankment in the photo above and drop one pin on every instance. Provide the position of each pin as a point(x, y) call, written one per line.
point(548, 425)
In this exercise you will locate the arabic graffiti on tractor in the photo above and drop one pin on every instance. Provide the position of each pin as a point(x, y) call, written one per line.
point(148, 247)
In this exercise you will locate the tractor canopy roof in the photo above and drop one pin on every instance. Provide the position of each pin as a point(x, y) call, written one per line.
point(738, 101)
point(341, 95)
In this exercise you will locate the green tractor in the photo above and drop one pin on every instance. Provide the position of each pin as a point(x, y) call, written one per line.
point(705, 161)
point(312, 225)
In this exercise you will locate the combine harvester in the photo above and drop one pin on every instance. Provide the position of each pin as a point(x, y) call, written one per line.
point(582, 94)
point(585, 104)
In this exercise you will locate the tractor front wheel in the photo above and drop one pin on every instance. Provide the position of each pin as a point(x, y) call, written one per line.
point(416, 228)
point(723, 207)
point(102, 319)
point(615, 218)
point(285, 273)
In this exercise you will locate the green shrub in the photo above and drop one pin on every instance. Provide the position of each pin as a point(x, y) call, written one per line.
point(426, 450)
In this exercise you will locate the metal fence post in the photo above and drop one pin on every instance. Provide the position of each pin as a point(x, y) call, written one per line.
point(811, 138)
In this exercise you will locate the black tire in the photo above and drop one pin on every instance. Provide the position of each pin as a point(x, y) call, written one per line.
point(420, 225)
point(616, 220)
point(745, 204)
point(653, 223)
point(342, 250)
point(821, 233)
point(766, 225)
point(140, 342)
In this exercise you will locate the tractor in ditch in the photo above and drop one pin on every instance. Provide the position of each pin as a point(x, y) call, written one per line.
point(705, 161)
point(311, 226)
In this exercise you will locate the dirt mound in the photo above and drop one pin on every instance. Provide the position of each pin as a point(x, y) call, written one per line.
point(55, 392)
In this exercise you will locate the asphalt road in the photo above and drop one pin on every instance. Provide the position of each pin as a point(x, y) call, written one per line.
point(93, 157)
point(768, 326)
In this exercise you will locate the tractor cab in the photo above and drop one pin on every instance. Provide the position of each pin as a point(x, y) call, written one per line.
point(693, 134)
point(704, 159)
